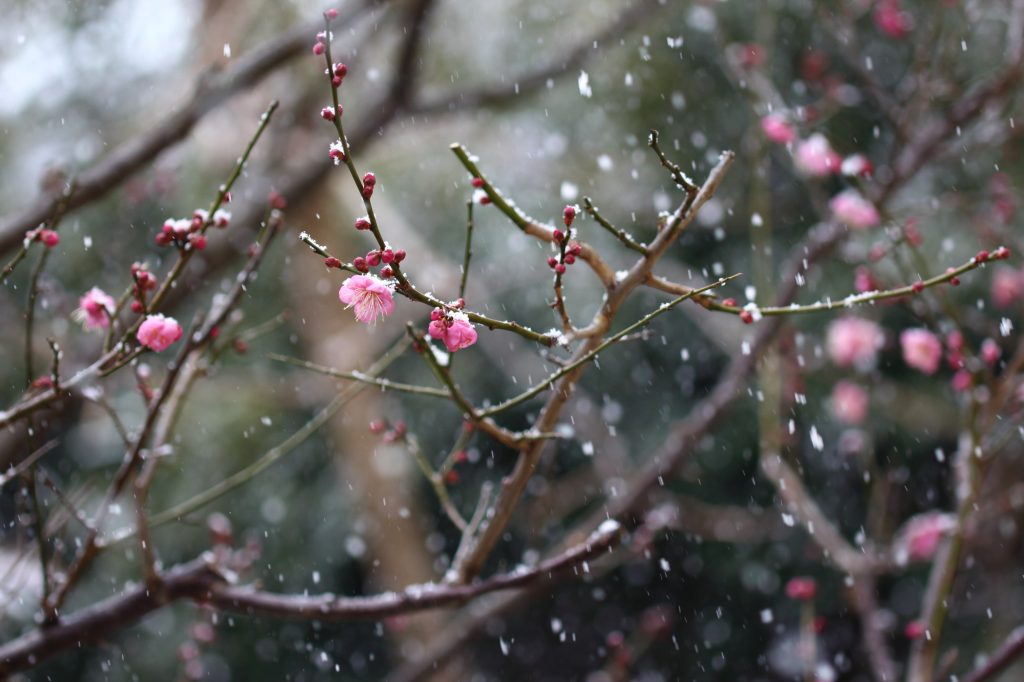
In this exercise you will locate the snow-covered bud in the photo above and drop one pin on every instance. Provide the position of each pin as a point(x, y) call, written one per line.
point(369, 179)
point(1002, 253)
point(221, 218)
point(747, 317)
point(197, 241)
point(340, 70)
point(327, 113)
point(569, 215)
point(363, 224)
point(552, 262)
point(436, 314)
point(386, 272)
point(336, 152)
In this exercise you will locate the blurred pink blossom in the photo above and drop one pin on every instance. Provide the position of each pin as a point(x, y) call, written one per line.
point(919, 537)
point(851, 208)
point(777, 129)
point(1007, 286)
point(94, 309)
point(815, 156)
point(158, 332)
point(854, 341)
point(922, 350)
point(849, 402)
point(369, 296)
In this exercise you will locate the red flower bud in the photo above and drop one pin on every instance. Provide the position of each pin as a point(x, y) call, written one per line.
point(332, 262)
point(1002, 253)
point(802, 589)
point(552, 262)
point(399, 255)
point(331, 14)
point(982, 256)
point(729, 302)
point(327, 113)
point(560, 269)
point(917, 287)
point(747, 317)
point(362, 224)
point(198, 242)
point(49, 237)
point(277, 200)
point(340, 70)
point(569, 259)
point(387, 256)
point(386, 272)
point(318, 49)
point(336, 81)
point(370, 179)
point(373, 258)
point(477, 182)
point(360, 264)
point(377, 426)
point(568, 215)
point(558, 236)
point(137, 307)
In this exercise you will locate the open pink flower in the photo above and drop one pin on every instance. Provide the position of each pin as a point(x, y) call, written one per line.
point(849, 402)
point(854, 341)
point(815, 156)
point(94, 309)
point(777, 129)
point(158, 332)
point(851, 208)
point(920, 536)
point(456, 332)
point(369, 296)
point(922, 350)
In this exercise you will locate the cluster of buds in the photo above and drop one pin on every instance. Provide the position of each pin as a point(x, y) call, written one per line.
point(480, 195)
point(188, 232)
point(320, 46)
point(48, 237)
point(337, 73)
point(144, 282)
point(393, 434)
point(568, 250)
point(386, 257)
point(369, 182)
point(452, 327)
point(330, 113)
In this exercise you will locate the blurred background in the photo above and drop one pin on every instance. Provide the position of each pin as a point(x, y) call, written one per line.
point(556, 99)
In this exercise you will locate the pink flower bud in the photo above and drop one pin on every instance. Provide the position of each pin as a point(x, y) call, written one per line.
point(558, 236)
point(387, 256)
point(362, 224)
point(560, 269)
point(332, 262)
point(327, 113)
point(369, 179)
point(569, 259)
point(318, 49)
point(400, 255)
point(851, 208)
point(197, 241)
point(331, 14)
point(340, 70)
point(746, 317)
point(386, 272)
point(367, 191)
point(552, 262)
point(815, 156)
point(373, 258)
point(359, 263)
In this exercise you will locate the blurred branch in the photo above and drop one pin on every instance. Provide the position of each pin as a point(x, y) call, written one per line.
point(1011, 649)
point(210, 92)
point(203, 582)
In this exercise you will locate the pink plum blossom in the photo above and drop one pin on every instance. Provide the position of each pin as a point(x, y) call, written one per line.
point(849, 402)
point(919, 537)
point(1007, 287)
point(851, 208)
point(369, 296)
point(158, 332)
point(777, 129)
point(854, 341)
point(922, 350)
point(94, 309)
point(815, 156)
point(456, 331)
point(891, 19)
